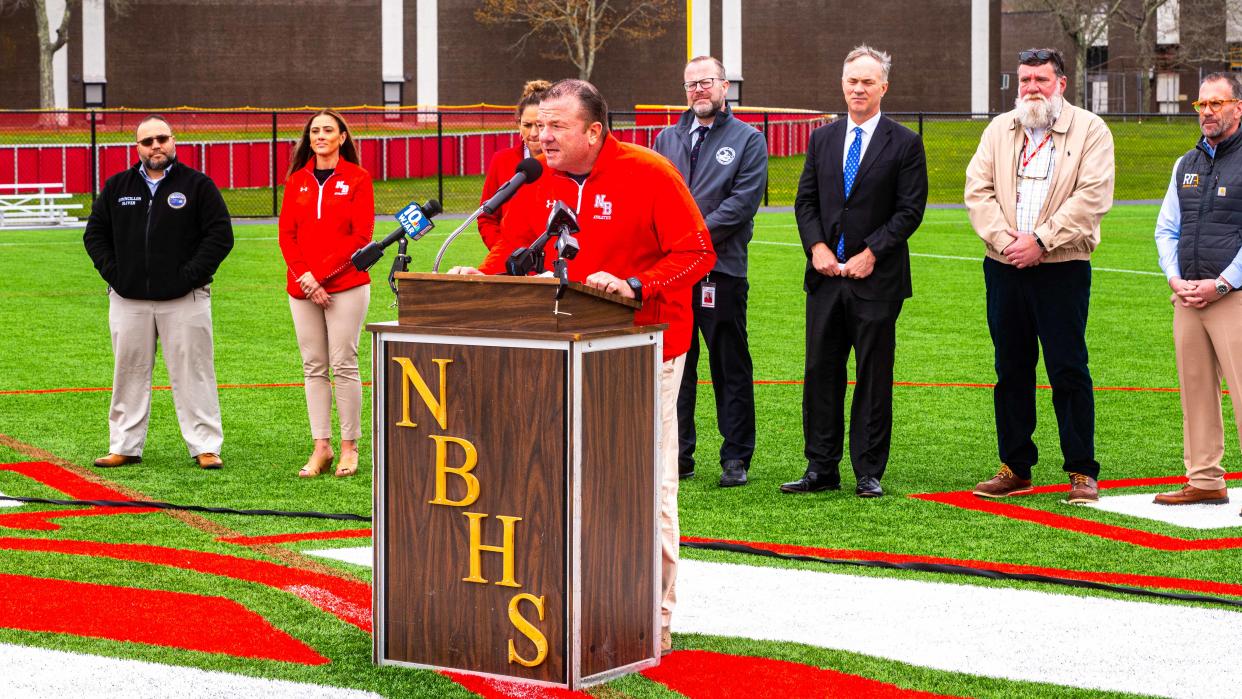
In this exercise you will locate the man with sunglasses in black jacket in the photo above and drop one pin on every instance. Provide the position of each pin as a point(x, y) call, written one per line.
point(157, 233)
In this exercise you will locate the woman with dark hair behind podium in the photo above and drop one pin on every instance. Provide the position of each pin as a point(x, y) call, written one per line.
point(504, 163)
point(328, 212)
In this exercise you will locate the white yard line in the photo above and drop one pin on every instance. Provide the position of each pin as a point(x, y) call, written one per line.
point(38, 672)
point(1093, 643)
point(358, 555)
point(10, 503)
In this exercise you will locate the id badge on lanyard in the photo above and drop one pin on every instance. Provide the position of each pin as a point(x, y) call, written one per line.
point(707, 293)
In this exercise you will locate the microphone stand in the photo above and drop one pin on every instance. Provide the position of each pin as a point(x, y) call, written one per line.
point(400, 263)
point(440, 255)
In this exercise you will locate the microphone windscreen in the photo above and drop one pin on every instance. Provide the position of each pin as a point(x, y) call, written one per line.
point(531, 168)
point(432, 208)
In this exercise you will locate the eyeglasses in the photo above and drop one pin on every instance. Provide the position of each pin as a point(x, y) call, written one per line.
point(704, 84)
point(149, 140)
point(1041, 56)
point(1211, 105)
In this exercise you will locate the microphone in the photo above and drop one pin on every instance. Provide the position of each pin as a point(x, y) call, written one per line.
point(415, 222)
point(562, 224)
point(528, 170)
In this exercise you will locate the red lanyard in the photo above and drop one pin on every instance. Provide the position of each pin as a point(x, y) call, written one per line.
point(1026, 159)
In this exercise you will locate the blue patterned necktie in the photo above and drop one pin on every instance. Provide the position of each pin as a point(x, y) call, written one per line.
point(851, 171)
point(701, 132)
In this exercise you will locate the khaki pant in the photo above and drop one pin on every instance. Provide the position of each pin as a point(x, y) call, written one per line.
point(329, 338)
point(670, 530)
point(1209, 347)
point(183, 328)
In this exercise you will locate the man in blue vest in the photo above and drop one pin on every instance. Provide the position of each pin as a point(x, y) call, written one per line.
point(1197, 236)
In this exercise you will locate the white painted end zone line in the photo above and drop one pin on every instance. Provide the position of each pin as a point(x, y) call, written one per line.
point(1092, 643)
point(38, 672)
point(10, 503)
point(968, 259)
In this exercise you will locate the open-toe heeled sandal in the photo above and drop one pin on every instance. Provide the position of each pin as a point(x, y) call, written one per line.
point(348, 465)
point(315, 465)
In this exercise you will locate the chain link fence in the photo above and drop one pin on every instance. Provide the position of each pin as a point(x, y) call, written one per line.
point(444, 155)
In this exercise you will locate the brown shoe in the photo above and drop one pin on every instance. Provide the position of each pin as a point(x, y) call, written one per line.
point(1190, 495)
point(666, 641)
point(114, 460)
point(1082, 489)
point(207, 460)
point(1003, 484)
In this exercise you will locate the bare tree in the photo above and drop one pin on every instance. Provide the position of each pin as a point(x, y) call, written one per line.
point(576, 30)
point(1203, 30)
point(1139, 16)
point(51, 39)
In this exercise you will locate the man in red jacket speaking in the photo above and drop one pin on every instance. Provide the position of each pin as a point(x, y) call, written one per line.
point(642, 237)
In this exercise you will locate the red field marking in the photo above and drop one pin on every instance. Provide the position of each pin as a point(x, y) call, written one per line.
point(347, 600)
point(700, 674)
point(1129, 579)
point(156, 617)
point(491, 688)
point(73, 486)
point(299, 536)
point(1128, 535)
point(99, 389)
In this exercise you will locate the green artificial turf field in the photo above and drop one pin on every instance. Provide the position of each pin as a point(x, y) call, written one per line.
point(53, 318)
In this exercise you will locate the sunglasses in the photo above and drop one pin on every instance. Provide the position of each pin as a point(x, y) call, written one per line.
point(1040, 56)
point(149, 140)
point(1211, 105)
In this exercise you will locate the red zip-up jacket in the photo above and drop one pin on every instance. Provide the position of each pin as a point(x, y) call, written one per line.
point(637, 220)
point(504, 163)
point(322, 226)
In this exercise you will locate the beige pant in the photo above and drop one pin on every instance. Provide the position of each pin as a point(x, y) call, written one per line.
point(329, 338)
point(183, 328)
point(1209, 347)
point(670, 530)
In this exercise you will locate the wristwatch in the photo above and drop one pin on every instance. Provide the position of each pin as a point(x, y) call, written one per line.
point(1221, 287)
point(1040, 243)
point(635, 286)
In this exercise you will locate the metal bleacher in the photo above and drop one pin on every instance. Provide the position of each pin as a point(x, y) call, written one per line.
point(37, 205)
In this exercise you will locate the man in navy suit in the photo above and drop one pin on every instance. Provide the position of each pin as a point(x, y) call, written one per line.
point(861, 196)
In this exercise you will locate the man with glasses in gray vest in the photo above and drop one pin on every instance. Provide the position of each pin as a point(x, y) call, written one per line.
point(725, 164)
point(1200, 253)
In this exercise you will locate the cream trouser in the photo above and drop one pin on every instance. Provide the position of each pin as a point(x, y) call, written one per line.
point(328, 337)
point(183, 328)
point(670, 531)
point(1209, 347)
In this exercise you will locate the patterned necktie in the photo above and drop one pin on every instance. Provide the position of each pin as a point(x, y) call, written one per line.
point(701, 133)
point(851, 171)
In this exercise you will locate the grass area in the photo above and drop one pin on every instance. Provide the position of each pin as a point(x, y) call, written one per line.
point(53, 316)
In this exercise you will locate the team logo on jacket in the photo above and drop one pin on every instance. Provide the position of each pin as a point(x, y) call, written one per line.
point(605, 208)
point(342, 188)
point(176, 200)
point(725, 155)
point(1189, 180)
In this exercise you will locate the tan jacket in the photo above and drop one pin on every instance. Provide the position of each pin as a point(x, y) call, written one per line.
point(1081, 192)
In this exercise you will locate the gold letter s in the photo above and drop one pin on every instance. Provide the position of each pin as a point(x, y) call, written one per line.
point(528, 630)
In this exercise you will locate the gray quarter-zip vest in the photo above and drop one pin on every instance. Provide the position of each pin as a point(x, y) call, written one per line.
point(1209, 191)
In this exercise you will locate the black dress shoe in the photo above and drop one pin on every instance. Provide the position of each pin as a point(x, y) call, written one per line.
point(733, 473)
point(685, 471)
point(868, 487)
point(811, 483)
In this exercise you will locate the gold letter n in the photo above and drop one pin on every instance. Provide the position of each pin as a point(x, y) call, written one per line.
point(438, 408)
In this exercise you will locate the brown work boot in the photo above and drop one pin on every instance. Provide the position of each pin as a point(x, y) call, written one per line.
point(207, 460)
point(114, 460)
point(1083, 489)
point(1003, 484)
point(1190, 495)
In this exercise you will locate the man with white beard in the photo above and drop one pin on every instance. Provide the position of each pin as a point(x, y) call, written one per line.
point(1036, 189)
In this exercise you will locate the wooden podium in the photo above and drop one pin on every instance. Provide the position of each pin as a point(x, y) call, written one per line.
point(516, 481)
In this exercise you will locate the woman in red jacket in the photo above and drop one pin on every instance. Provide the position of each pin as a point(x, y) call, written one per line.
point(504, 163)
point(327, 214)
